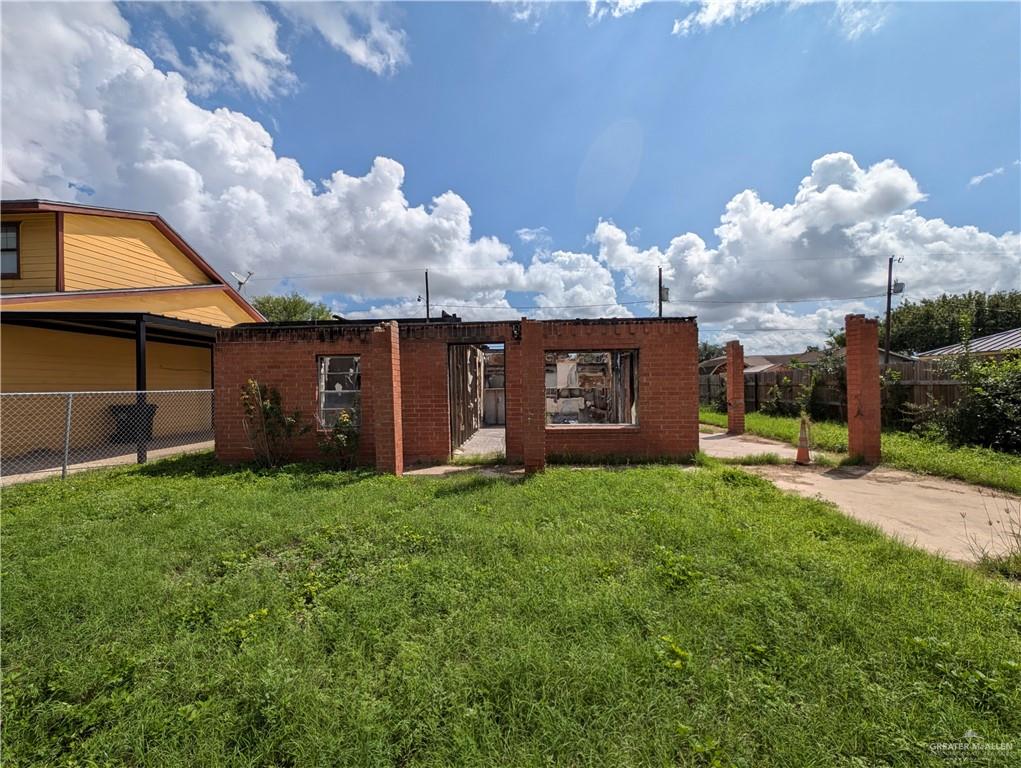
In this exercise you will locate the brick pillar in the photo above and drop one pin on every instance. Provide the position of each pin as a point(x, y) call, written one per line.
point(533, 396)
point(685, 350)
point(735, 388)
point(864, 426)
point(386, 394)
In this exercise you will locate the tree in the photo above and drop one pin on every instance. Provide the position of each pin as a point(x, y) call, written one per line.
point(294, 307)
point(931, 323)
point(836, 338)
point(707, 350)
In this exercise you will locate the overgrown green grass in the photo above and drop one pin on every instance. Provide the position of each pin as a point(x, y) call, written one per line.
point(184, 614)
point(900, 449)
point(478, 459)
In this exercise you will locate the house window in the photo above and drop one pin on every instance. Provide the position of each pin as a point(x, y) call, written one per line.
point(340, 385)
point(10, 250)
point(592, 387)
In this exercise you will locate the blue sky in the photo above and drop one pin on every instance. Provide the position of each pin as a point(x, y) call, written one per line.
point(565, 120)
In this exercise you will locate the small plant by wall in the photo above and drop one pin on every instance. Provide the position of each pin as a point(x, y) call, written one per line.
point(340, 443)
point(269, 429)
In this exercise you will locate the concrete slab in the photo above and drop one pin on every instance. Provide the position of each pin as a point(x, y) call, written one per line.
point(485, 442)
point(924, 511)
point(109, 458)
point(727, 446)
point(921, 510)
point(444, 470)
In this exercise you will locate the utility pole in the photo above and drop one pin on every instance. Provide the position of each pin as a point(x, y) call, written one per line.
point(660, 294)
point(889, 297)
point(427, 315)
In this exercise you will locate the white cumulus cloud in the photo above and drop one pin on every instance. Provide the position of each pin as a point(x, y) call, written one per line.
point(247, 52)
point(96, 112)
point(831, 242)
point(854, 17)
point(597, 9)
point(360, 30)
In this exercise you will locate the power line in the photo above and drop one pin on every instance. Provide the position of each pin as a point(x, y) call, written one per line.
point(389, 272)
point(336, 274)
point(756, 330)
point(650, 301)
point(775, 301)
point(543, 306)
point(500, 268)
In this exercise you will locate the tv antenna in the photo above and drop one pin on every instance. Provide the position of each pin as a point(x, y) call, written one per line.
point(242, 279)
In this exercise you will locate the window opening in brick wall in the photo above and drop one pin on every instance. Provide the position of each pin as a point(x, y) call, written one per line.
point(340, 385)
point(592, 387)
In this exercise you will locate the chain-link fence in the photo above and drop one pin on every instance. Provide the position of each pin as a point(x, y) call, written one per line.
point(47, 433)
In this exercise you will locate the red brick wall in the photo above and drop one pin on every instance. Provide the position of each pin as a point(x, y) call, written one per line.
point(285, 359)
point(386, 395)
point(532, 383)
point(426, 407)
point(735, 388)
point(409, 367)
point(864, 414)
point(426, 412)
point(513, 406)
point(667, 388)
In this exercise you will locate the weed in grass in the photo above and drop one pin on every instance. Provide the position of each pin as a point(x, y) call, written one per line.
point(756, 459)
point(672, 654)
point(851, 461)
point(478, 459)
point(1000, 551)
point(675, 569)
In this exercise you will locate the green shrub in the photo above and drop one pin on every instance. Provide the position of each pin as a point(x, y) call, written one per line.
point(988, 411)
point(269, 429)
point(776, 404)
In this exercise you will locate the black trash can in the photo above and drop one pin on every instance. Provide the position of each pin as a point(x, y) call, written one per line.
point(132, 423)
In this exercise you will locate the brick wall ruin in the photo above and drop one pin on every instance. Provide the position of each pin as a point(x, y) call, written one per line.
point(405, 409)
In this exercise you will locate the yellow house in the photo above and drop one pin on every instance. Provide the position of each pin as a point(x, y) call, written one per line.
point(97, 299)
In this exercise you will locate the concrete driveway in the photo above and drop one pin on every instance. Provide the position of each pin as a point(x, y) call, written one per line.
point(921, 510)
point(726, 446)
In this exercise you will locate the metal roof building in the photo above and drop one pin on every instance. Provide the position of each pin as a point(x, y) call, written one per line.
point(994, 344)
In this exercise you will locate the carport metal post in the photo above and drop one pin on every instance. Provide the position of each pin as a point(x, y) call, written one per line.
point(140, 387)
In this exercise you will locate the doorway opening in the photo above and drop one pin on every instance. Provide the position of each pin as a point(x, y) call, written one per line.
point(476, 381)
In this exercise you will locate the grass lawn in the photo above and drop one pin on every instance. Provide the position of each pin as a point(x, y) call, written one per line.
point(183, 614)
point(982, 466)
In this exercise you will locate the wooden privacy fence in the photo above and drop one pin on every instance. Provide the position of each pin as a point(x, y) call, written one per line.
point(920, 383)
point(924, 383)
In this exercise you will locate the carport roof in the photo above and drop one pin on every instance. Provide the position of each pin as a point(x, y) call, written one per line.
point(169, 330)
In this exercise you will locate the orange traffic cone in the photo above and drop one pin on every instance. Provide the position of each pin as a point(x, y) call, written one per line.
point(803, 457)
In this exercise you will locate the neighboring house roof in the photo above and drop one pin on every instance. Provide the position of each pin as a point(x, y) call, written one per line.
point(752, 363)
point(53, 206)
point(761, 363)
point(1004, 341)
